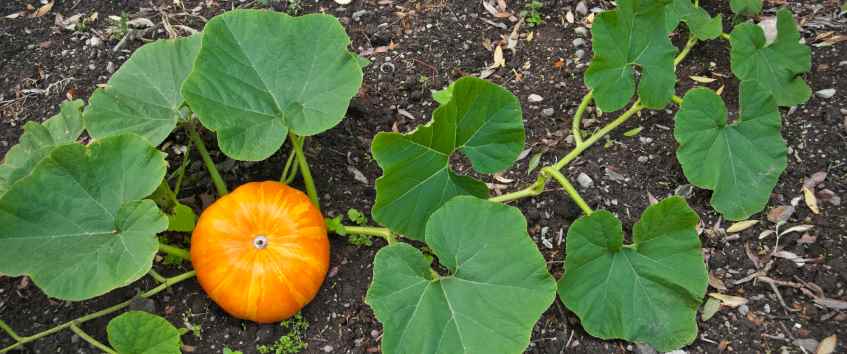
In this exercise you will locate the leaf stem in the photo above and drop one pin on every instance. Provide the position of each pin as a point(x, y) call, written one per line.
point(207, 160)
point(576, 126)
point(372, 231)
point(304, 169)
point(24, 340)
point(9, 331)
point(287, 169)
point(156, 276)
point(692, 41)
point(537, 187)
point(725, 35)
point(569, 188)
point(180, 172)
point(531, 191)
point(174, 251)
point(678, 100)
point(90, 339)
point(635, 108)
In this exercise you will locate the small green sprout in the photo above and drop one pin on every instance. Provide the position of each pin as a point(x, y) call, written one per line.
point(290, 343)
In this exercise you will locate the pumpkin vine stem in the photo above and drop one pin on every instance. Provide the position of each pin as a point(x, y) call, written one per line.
point(20, 341)
point(96, 343)
point(576, 126)
point(372, 231)
point(304, 169)
point(217, 180)
point(569, 188)
point(174, 251)
point(289, 171)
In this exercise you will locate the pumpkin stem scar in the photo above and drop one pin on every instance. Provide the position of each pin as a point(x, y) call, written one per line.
point(260, 241)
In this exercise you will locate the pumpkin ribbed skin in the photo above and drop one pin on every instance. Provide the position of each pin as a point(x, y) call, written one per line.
point(273, 280)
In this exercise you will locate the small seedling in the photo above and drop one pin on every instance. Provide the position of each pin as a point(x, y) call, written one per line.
point(290, 343)
point(531, 13)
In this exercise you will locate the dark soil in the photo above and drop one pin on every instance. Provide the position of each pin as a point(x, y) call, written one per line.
point(438, 41)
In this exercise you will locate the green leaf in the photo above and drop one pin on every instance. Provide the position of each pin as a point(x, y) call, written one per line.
point(633, 34)
point(741, 162)
point(182, 219)
point(356, 216)
point(138, 332)
point(699, 22)
point(78, 225)
point(482, 120)
point(648, 291)
point(778, 67)
point(143, 97)
point(444, 95)
point(37, 141)
point(481, 306)
point(261, 73)
point(747, 8)
point(336, 225)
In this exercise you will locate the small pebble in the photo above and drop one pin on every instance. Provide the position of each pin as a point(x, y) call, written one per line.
point(743, 310)
point(582, 31)
point(826, 93)
point(535, 98)
point(548, 112)
point(584, 180)
point(94, 41)
point(581, 8)
point(643, 159)
point(578, 42)
point(327, 349)
point(579, 53)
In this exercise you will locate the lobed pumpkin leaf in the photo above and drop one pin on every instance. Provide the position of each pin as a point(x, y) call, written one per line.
point(251, 87)
point(741, 162)
point(138, 332)
point(444, 95)
point(700, 23)
point(648, 291)
point(778, 67)
point(38, 140)
point(482, 120)
point(77, 225)
point(143, 96)
point(480, 306)
point(632, 35)
point(747, 8)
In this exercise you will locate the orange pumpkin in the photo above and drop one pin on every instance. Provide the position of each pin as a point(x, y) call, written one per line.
point(261, 252)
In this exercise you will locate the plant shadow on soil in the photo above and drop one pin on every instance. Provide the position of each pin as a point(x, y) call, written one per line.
point(439, 41)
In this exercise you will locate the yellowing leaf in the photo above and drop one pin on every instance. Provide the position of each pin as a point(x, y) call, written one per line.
point(811, 200)
point(827, 345)
point(43, 10)
point(729, 300)
point(499, 61)
point(702, 79)
point(741, 226)
point(711, 307)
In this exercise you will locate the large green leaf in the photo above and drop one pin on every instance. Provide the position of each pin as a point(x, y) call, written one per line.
point(647, 291)
point(632, 35)
point(741, 162)
point(138, 332)
point(778, 67)
point(37, 141)
point(78, 225)
point(700, 23)
point(746, 7)
point(143, 97)
point(482, 120)
point(261, 73)
point(486, 304)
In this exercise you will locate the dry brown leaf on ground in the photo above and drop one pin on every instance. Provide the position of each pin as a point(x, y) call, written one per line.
point(827, 345)
point(741, 226)
point(729, 300)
